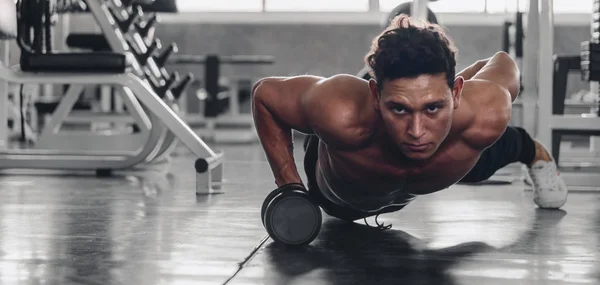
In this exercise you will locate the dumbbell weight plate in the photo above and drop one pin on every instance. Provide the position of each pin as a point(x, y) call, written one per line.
point(266, 203)
point(292, 219)
point(273, 194)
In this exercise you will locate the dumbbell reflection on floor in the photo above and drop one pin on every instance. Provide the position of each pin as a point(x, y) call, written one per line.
point(290, 215)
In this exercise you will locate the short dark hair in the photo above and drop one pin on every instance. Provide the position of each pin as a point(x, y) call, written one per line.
point(409, 48)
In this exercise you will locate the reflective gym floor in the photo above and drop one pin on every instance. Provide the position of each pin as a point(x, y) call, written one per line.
point(149, 227)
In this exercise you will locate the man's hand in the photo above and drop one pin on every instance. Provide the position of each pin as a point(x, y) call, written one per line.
point(471, 70)
point(500, 69)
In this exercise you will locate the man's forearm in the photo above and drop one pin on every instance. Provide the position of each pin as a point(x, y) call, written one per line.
point(276, 139)
point(470, 71)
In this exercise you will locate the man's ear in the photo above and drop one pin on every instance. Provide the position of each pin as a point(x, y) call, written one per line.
point(375, 94)
point(459, 83)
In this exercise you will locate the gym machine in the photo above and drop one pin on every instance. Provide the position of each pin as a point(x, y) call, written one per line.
point(131, 32)
point(135, 30)
point(133, 72)
point(221, 119)
point(552, 123)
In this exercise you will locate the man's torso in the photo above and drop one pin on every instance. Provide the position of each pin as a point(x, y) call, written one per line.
point(372, 174)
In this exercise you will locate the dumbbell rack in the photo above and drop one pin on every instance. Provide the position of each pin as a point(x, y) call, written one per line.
point(551, 126)
point(119, 26)
point(127, 24)
point(124, 36)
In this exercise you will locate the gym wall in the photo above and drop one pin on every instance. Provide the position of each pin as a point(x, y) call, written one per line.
point(330, 49)
point(322, 49)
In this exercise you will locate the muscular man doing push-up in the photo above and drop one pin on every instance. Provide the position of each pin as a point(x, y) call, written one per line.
point(416, 128)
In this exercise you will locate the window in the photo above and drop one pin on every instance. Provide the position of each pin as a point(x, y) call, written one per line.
point(560, 6)
point(510, 6)
point(494, 6)
point(440, 6)
point(451, 6)
point(573, 6)
point(317, 5)
point(458, 6)
point(219, 6)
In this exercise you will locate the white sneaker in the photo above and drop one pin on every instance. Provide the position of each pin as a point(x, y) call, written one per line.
point(549, 189)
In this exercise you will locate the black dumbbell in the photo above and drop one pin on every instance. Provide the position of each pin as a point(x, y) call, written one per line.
point(290, 216)
point(143, 57)
point(168, 84)
point(125, 18)
point(160, 59)
point(182, 86)
point(144, 27)
point(134, 17)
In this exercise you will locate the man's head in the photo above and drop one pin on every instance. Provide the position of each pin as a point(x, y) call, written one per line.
point(414, 85)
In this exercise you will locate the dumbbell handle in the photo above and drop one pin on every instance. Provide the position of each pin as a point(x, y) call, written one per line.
point(154, 82)
point(163, 56)
point(134, 17)
point(143, 30)
point(143, 58)
point(182, 85)
point(168, 84)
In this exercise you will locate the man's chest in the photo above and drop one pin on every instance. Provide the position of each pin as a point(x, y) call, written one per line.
point(375, 171)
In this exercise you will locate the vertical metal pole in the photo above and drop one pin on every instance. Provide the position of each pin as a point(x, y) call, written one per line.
point(530, 69)
point(4, 97)
point(374, 6)
point(545, 71)
point(418, 10)
point(594, 86)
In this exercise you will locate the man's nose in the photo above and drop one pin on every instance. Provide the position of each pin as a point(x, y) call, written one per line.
point(416, 128)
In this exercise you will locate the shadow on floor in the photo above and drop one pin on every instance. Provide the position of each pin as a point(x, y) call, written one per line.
point(357, 254)
point(347, 253)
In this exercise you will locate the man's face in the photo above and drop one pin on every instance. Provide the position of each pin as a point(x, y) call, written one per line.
point(417, 112)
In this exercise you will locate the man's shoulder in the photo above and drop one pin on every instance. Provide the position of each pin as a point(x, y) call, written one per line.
point(490, 110)
point(339, 112)
point(343, 90)
point(341, 83)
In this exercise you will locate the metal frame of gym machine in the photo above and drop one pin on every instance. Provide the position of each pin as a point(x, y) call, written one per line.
point(582, 177)
point(116, 40)
point(119, 141)
point(209, 165)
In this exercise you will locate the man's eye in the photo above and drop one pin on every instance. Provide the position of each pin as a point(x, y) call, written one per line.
point(398, 110)
point(432, 109)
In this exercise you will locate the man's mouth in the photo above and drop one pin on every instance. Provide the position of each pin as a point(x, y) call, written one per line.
point(417, 147)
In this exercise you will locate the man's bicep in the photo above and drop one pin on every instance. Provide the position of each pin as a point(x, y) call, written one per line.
point(502, 70)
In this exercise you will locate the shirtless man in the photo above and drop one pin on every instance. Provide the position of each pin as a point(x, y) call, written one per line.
point(415, 129)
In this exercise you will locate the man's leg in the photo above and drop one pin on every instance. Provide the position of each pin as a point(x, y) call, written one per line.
point(516, 145)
